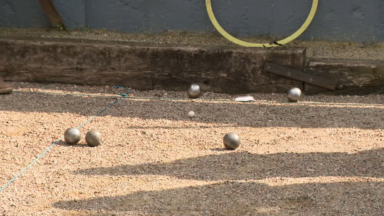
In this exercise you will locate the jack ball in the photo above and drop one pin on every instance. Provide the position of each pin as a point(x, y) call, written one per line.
point(191, 114)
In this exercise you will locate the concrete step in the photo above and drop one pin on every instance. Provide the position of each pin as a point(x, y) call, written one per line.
point(147, 66)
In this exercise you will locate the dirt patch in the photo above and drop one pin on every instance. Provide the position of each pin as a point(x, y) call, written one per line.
point(322, 156)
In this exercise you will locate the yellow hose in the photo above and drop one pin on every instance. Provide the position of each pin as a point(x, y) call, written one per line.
point(247, 44)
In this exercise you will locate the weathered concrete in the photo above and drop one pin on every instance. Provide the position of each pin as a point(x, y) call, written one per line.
point(152, 66)
point(147, 66)
point(354, 76)
point(355, 20)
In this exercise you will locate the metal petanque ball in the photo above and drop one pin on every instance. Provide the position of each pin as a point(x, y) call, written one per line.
point(93, 138)
point(231, 141)
point(294, 94)
point(72, 136)
point(194, 91)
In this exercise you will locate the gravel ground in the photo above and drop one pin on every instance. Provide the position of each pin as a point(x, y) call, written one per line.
point(322, 156)
point(315, 48)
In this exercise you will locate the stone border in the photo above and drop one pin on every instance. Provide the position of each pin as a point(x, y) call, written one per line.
point(147, 66)
point(357, 77)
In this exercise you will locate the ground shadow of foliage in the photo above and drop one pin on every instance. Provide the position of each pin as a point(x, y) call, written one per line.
point(244, 165)
point(245, 198)
point(235, 114)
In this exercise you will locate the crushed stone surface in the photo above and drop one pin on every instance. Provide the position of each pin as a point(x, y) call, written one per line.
point(321, 156)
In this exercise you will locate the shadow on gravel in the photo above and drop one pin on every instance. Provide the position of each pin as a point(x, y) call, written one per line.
point(324, 197)
point(234, 114)
point(244, 165)
point(245, 198)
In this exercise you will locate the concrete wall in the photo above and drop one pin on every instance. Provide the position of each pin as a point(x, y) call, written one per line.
point(357, 20)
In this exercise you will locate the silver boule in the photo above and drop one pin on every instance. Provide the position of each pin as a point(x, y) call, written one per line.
point(231, 141)
point(93, 138)
point(294, 94)
point(72, 136)
point(194, 91)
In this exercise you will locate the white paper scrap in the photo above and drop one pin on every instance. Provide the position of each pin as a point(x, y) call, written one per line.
point(245, 99)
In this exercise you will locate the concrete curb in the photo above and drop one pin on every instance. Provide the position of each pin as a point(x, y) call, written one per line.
point(354, 76)
point(153, 66)
point(146, 66)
